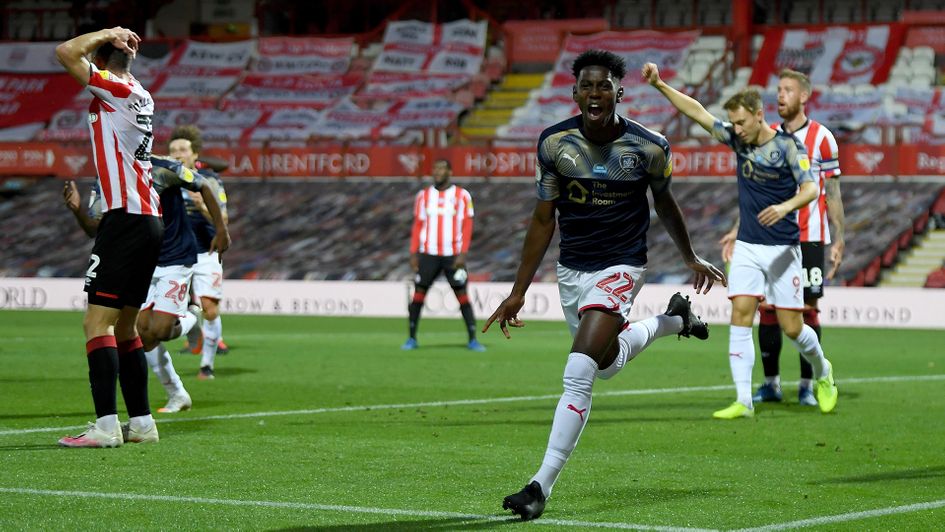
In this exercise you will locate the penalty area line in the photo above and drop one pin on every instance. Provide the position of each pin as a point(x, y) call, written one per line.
point(469, 402)
point(400, 512)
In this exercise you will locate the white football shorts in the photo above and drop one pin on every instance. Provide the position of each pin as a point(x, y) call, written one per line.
point(770, 273)
point(614, 288)
point(170, 289)
point(208, 276)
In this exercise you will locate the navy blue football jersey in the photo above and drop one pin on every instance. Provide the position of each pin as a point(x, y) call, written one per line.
point(599, 191)
point(767, 175)
point(202, 227)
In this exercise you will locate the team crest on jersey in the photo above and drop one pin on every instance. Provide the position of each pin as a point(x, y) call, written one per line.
point(775, 155)
point(93, 118)
point(629, 161)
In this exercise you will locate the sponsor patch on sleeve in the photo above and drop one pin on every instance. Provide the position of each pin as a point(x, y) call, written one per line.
point(804, 162)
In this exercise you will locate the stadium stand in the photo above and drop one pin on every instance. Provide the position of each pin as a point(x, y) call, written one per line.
point(359, 229)
point(487, 73)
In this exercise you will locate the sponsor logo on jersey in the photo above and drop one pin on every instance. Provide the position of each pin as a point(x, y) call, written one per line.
point(803, 162)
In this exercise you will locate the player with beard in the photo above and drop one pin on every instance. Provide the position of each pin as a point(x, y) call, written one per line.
point(594, 171)
point(794, 90)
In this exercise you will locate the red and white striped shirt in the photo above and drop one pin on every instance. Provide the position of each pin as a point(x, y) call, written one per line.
point(442, 222)
point(824, 165)
point(120, 126)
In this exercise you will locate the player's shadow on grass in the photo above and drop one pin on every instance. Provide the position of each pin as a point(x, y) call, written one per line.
point(448, 346)
point(232, 371)
point(448, 523)
point(925, 473)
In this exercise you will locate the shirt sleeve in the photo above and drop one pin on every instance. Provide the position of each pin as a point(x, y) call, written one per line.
point(546, 178)
point(173, 173)
point(724, 132)
point(661, 169)
point(106, 87)
point(829, 156)
point(799, 161)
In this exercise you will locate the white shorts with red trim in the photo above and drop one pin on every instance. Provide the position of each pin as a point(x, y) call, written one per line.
point(170, 290)
point(614, 289)
point(208, 276)
point(770, 273)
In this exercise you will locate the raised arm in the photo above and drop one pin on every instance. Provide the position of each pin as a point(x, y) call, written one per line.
point(74, 52)
point(685, 104)
point(668, 210)
point(537, 239)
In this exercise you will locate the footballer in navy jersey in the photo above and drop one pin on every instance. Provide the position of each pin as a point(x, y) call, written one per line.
point(767, 175)
point(774, 180)
point(185, 145)
point(593, 172)
point(203, 229)
point(599, 191)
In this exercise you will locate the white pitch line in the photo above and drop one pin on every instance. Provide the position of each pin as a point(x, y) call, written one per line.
point(466, 402)
point(338, 508)
point(852, 516)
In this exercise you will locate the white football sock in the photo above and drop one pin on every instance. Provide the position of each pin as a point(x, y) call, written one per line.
point(803, 383)
point(809, 346)
point(637, 337)
point(741, 358)
point(775, 381)
point(107, 423)
point(211, 335)
point(187, 322)
point(141, 423)
point(163, 367)
point(570, 418)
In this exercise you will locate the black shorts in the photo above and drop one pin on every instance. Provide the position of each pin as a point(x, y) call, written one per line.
point(123, 259)
point(812, 262)
point(432, 265)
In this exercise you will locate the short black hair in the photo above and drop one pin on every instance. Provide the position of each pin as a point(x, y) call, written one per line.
point(609, 60)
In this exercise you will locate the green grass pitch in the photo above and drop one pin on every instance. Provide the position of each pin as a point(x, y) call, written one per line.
point(325, 424)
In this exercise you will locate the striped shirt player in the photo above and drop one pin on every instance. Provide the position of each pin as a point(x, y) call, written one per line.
point(443, 221)
point(120, 117)
point(120, 126)
point(825, 164)
point(128, 238)
point(439, 241)
point(812, 218)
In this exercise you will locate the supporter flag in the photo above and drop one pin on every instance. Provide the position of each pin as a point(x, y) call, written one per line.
point(853, 54)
